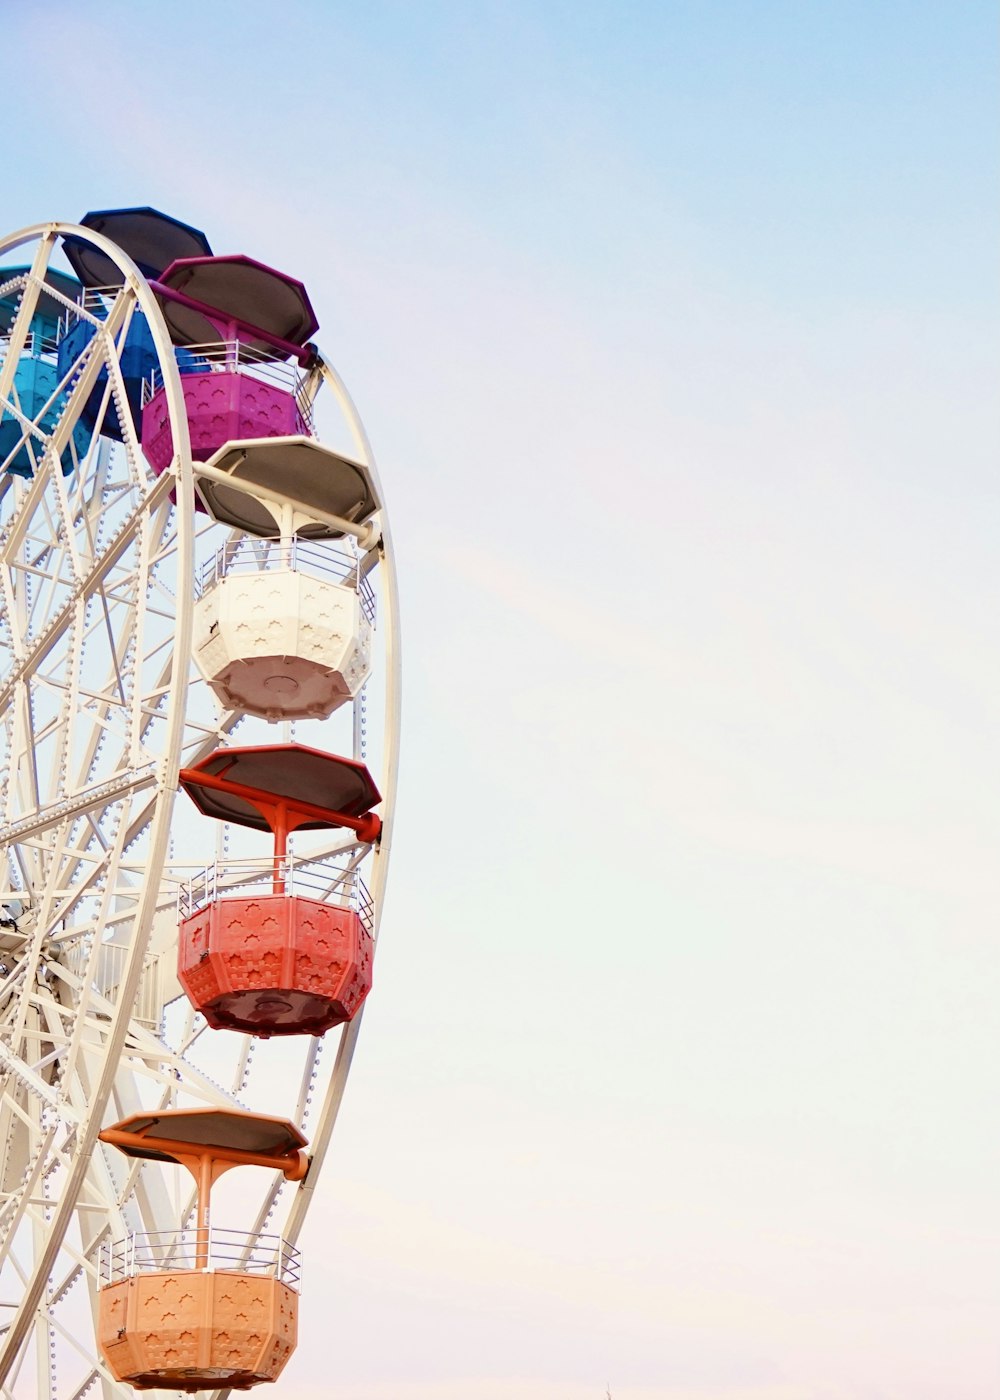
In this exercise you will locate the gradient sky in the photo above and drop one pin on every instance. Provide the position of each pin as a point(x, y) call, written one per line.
point(674, 327)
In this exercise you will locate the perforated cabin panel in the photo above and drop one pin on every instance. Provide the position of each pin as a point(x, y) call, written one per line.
point(282, 644)
point(189, 1330)
point(275, 964)
point(221, 405)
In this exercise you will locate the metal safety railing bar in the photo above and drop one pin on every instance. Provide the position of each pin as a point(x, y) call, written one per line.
point(234, 356)
point(249, 556)
point(35, 343)
point(333, 884)
point(96, 300)
point(92, 304)
point(167, 1251)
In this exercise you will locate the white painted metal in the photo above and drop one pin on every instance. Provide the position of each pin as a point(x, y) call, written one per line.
point(273, 636)
point(99, 710)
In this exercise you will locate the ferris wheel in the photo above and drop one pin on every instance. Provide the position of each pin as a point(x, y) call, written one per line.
point(199, 692)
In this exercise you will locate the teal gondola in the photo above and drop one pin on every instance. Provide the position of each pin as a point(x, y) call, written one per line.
point(38, 392)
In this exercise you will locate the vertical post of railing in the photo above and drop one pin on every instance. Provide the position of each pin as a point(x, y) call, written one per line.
point(280, 847)
point(203, 1233)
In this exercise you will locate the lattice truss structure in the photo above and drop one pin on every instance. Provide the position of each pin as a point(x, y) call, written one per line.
point(100, 708)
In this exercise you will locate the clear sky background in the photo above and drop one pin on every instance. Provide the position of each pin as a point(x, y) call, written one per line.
point(675, 330)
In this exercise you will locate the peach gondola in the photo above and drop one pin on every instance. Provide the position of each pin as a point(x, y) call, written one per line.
point(196, 1309)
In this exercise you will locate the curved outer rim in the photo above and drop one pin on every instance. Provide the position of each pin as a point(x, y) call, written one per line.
point(326, 1118)
point(62, 1214)
point(389, 779)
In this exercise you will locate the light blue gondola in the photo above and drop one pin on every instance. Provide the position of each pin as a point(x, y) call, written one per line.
point(37, 379)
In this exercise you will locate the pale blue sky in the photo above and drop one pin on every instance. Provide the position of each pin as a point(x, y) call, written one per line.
point(675, 331)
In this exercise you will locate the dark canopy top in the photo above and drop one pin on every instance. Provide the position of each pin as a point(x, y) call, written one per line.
point(151, 239)
point(197, 1129)
point(283, 771)
point(295, 466)
point(238, 288)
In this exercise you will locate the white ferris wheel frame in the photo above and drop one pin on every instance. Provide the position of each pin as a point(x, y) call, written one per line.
point(41, 1292)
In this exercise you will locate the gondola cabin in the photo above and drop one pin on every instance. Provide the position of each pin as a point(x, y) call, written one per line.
point(39, 391)
point(203, 1308)
point(279, 947)
point(245, 321)
point(283, 628)
point(152, 240)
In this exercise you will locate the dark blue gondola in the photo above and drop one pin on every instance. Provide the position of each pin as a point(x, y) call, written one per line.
point(153, 241)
